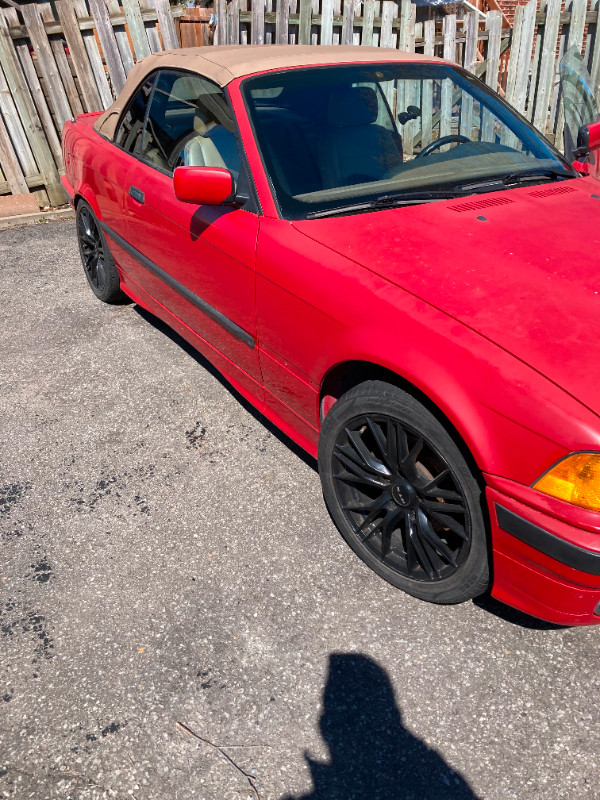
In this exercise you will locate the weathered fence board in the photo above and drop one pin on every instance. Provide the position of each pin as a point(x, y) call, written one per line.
point(108, 41)
point(12, 172)
point(152, 35)
point(87, 85)
point(35, 89)
point(547, 59)
point(133, 14)
point(28, 139)
point(47, 62)
point(368, 19)
point(94, 58)
point(121, 36)
point(167, 26)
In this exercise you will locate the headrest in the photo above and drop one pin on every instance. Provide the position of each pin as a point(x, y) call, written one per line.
point(352, 105)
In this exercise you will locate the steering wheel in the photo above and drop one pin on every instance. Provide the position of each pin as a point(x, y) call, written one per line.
point(457, 138)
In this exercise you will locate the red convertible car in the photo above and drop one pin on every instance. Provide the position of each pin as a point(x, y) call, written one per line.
point(399, 272)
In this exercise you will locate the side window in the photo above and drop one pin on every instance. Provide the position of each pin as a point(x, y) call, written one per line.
point(129, 132)
point(189, 124)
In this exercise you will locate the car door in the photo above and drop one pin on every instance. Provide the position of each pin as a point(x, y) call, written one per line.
point(197, 261)
point(109, 164)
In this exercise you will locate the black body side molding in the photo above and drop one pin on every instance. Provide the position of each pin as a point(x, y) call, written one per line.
point(221, 319)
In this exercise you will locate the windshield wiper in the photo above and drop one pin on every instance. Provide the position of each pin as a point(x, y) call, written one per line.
point(533, 175)
point(388, 201)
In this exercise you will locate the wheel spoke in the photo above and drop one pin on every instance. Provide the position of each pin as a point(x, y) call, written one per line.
point(367, 534)
point(375, 509)
point(389, 526)
point(412, 534)
point(443, 494)
point(449, 522)
point(437, 480)
point(100, 271)
point(408, 464)
point(357, 474)
point(360, 509)
point(391, 453)
point(448, 508)
point(412, 563)
point(369, 460)
point(401, 443)
point(93, 267)
point(429, 535)
point(350, 452)
point(377, 435)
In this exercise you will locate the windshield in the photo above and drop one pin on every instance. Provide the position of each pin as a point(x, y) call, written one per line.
point(345, 137)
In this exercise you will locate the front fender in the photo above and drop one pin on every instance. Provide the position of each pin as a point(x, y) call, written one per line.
point(515, 422)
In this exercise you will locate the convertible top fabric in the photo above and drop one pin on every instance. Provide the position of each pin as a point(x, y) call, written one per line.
point(224, 64)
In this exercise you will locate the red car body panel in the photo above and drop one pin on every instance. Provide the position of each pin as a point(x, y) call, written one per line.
point(526, 271)
point(458, 306)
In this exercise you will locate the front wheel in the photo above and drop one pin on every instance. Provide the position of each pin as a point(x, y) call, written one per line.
point(402, 495)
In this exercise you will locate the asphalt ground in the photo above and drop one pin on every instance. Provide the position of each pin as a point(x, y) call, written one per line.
point(179, 618)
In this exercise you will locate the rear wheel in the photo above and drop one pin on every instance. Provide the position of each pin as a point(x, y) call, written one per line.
point(402, 494)
point(98, 264)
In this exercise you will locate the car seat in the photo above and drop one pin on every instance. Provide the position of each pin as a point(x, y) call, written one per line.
point(354, 148)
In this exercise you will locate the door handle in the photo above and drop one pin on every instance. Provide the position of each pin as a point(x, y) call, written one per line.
point(136, 193)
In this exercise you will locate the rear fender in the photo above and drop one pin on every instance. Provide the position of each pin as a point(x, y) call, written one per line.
point(83, 192)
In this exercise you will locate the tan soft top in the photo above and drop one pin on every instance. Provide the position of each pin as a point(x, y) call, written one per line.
point(224, 64)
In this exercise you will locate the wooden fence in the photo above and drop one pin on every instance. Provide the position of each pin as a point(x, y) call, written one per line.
point(522, 63)
point(55, 67)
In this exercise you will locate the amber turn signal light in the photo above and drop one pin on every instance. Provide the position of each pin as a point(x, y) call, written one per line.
point(575, 479)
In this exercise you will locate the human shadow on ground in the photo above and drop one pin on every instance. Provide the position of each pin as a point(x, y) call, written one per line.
point(372, 755)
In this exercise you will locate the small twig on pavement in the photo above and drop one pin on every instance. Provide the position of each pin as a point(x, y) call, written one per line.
point(250, 778)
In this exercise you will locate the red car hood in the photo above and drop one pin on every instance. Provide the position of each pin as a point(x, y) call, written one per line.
point(520, 267)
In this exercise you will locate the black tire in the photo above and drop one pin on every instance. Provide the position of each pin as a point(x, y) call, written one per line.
point(98, 263)
point(388, 468)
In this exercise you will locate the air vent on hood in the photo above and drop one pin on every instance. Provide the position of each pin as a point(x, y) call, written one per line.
point(552, 190)
point(475, 205)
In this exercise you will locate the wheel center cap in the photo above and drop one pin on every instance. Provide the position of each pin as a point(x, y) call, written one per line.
point(403, 493)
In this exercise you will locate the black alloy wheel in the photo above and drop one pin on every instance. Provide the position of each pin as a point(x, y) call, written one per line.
point(402, 495)
point(98, 263)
